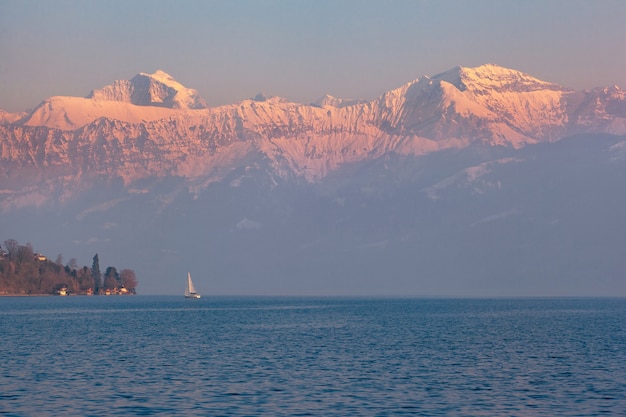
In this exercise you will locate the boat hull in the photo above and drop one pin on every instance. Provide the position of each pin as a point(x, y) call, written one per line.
point(193, 296)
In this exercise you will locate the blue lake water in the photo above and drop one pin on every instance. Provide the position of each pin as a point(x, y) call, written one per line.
point(167, 356)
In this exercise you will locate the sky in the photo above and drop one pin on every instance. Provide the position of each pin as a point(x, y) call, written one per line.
point(231, 50)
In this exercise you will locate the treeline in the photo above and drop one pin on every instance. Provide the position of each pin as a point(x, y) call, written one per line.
point(22, 271)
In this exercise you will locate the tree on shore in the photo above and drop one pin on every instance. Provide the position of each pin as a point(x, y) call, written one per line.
point(128, 278)
point(111, 279)
point(11, 246)
point(96, 275)
point(22, 271)
point(84, 279)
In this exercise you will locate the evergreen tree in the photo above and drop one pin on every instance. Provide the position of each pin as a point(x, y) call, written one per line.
point(111, 278)
point(96, 275)
point(85, 281)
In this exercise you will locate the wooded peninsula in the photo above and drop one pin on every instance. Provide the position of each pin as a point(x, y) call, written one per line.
point(25, 272)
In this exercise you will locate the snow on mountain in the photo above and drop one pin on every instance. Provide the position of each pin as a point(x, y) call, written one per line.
point(469, 178)
point(7, 118)
point(490, 104)
point(158, 89)
point(143, 98)
point(516, 98)
point(602, 110)
point(489, 78)
point(153, 126)
point(71, 113)
point(328, 100)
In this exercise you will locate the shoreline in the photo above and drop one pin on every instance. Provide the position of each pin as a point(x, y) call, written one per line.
point(68, 295)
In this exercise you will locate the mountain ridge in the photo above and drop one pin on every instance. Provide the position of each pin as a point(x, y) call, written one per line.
point(153, 126)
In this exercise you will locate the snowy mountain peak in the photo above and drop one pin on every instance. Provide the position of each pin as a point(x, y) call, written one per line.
point(494, 78)
point(158, 89)
point(330, 101)
point(163, 77)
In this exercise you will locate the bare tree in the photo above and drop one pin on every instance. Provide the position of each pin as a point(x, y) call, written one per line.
point(129, 281)
point(73, 264)
point(11, 246)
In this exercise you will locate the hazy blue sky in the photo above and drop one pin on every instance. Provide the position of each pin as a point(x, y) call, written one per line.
point(231, 50)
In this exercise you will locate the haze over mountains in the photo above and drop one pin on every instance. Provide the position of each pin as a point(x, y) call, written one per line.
point(475, 181)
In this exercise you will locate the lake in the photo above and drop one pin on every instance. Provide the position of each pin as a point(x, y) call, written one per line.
point(288, 356)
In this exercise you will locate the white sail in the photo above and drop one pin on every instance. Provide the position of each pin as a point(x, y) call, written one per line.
point(190, 286)
point(190, 291)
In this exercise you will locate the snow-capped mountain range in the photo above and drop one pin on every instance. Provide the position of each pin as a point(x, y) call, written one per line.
point(151, 125)
point(483, 181)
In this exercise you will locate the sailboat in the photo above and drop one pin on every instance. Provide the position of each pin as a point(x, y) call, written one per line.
point(190, 291)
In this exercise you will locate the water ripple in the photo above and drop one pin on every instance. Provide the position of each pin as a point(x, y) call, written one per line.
point(287, 357)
